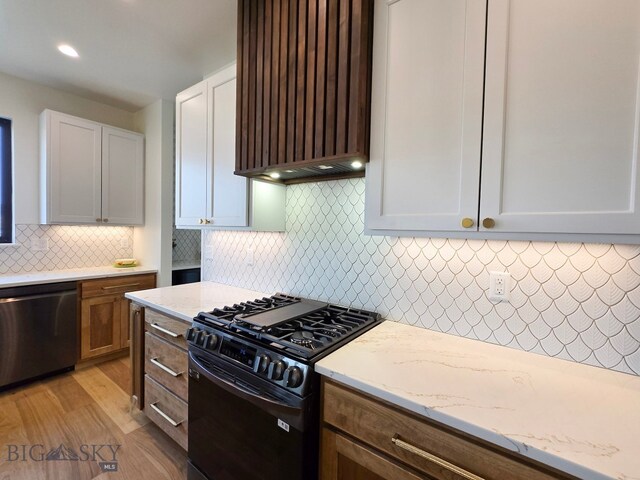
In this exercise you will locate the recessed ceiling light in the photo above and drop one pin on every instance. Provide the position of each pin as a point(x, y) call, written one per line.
point(68, 50)
point(356, 164)
point(325, 167)
point(275, 175)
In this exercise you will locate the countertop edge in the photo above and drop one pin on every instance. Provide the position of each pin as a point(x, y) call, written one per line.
point(55, 276)
point(487, 435)
point(159, 308)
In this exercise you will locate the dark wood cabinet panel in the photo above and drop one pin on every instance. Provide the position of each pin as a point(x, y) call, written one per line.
point(104, 313)
point(304, 86)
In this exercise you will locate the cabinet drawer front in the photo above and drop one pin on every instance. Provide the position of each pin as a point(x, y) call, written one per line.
point(167, 328)
point(167, 364)
point(377, 424)
point(115, 285)
point(166, 410)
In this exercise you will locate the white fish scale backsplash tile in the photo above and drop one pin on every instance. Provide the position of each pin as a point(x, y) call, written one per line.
point(69, 247)
point(187, 245)
point(574, 301)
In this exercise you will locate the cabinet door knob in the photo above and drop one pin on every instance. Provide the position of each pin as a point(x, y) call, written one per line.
point(201, 222)
point(207, 221)
point(488, 222)
point(105, 220)
point(98, 220)
point(467, 222)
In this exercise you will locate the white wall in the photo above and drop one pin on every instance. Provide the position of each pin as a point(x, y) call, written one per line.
point(152, 243)
point(22, 102)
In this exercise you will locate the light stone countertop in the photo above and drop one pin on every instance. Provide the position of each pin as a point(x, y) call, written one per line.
point(579, 419)
point(186, 301)
point(69, 275)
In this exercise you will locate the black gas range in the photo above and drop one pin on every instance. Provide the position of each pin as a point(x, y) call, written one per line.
point(253, 391)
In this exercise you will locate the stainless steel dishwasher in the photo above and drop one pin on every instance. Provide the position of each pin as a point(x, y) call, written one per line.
point(38, 331)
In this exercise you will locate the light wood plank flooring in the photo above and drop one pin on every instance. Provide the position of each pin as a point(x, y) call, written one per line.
point(86, 407)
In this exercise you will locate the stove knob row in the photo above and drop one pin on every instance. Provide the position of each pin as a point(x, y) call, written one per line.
point(276, 370)
point(201, 338)
point(293, 377)
point(262, 363)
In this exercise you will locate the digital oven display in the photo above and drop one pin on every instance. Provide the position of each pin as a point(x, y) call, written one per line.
point(238, 352)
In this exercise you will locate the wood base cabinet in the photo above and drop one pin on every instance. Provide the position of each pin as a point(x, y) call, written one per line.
point(160, 370)
point(104, 313)
point(365, 438)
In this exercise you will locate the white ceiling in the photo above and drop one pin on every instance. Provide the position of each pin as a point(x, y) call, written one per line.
point(132, 52)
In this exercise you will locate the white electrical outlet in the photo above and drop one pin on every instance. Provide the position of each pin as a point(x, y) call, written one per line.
point(124, 242)
point(208, 252)
point(249, 257)
point(39, 244)
point(499, 286)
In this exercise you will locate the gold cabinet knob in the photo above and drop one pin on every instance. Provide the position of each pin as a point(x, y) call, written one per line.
point(207, 221)
point(467, 222)
point(98, 220)
point(105, 220)
point(201, 221)
point(488, 223)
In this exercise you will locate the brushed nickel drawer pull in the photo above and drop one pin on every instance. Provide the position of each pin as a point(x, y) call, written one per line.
point(164, 367)
point(113, 287)
point(164, 330)
point(165, 416)
point(433, 459)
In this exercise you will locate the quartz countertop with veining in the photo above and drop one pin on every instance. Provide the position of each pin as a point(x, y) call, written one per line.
point(68, 275)
point(579, 419)
point(186, 301)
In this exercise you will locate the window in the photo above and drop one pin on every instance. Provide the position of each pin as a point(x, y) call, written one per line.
point(6, 184)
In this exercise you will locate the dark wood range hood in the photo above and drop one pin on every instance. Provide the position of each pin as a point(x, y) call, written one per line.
point(304, 88)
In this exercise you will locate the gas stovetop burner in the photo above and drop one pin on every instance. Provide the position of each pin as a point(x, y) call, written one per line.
point(302, 338)
point(303, 327)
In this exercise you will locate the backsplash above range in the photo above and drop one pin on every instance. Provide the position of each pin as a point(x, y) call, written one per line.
point(53, 247)
point(579, 302)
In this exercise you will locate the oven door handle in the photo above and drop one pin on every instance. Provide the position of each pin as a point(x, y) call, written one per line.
point(239, 391)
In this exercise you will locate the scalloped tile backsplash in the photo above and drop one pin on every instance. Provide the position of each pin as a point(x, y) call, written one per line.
point(574, 301)
point(68, 247)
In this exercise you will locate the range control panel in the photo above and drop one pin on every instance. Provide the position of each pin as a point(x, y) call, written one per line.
point(263, 362)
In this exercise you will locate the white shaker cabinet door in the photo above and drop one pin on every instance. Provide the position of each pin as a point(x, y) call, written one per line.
point(229, 198)
point(561, 116)
point(426, 128)
point(72, 168)
point(122, 177)
point(193, 164)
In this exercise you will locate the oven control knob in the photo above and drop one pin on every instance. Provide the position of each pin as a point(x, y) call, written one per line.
point(199, 340)
point(261, 364)
point(191, 333)
point(276, 369)
point(210, 341)
point(293, 377)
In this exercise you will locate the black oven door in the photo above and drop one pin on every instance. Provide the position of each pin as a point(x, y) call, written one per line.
point(243, 427)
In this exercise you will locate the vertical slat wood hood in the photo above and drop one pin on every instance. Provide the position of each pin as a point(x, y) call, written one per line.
point(304, 87)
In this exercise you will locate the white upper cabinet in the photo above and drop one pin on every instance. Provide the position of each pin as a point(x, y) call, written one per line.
point(207, 191)
point(193, 164)
point(122, 177)
point(561, 116)
point(90, 173)
point(426, 130)
point(554, 148)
